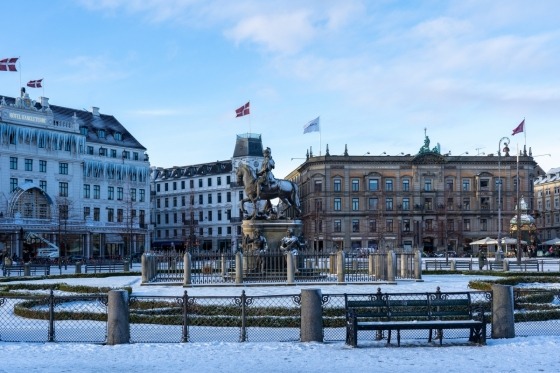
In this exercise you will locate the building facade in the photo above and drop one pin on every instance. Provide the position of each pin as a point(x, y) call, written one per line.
point(547, 204)
point(71, 178)
point(196, 207)
point(426, 201)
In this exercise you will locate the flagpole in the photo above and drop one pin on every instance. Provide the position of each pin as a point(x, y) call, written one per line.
point(525, 132)
point(249, 117)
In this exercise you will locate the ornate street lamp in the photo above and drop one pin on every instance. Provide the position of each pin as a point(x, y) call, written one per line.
point(506, 141)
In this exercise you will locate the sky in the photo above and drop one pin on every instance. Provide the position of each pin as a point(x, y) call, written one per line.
point(377, 73)
point(519, 354)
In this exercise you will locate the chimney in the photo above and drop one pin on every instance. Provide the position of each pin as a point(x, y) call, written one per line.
point(95, 111)
point(44, 102)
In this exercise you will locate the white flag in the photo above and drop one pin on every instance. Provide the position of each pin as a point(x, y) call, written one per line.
point(312, 126)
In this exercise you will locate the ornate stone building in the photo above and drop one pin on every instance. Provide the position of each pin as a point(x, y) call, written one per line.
point(427, 200)
point(547, 204)
point(72, 179)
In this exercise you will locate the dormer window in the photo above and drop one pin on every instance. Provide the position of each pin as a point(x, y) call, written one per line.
point(84, 130)
point(101, 134)
point(118, 136)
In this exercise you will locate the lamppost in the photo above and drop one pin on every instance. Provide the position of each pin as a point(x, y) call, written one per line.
point(506, 141)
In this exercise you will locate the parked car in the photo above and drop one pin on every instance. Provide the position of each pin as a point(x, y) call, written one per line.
point(76, 258)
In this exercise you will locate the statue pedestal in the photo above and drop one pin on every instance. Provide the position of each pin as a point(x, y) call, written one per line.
point(272, 230)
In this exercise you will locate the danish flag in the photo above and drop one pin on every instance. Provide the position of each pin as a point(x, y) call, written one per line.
point(8, 64)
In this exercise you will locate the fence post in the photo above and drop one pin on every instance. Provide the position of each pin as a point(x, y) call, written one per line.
point(187, 279)
point(452, 265)
point(506, 265)
point(118, 324)
point(185, 337)
point(503, 322)
point(238, 268)
point(380, 272)
point(27, 269)
point(224, 265)
point(144, 262)
point(51, 317)
point(418, 265)
point(290, 266)
point(340, 266)
point(371, 265)
point(243, 335)
point(311, 316)
point(391, 265)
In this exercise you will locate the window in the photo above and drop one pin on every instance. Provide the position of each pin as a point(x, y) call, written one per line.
point(406, 204)
point(200, 199)
point(450, 203)
point(219, 215)
point(337, 226)
point(87, 191)
point(389, 225)
point(90, 151)
point(429, 225)
point(337, 204)
point(389, 204)
point(355, 185)
point(389, 185)
point(101, 134)
point(209, 181)
point(29, 165)
point(337, 185)
point(467, 224)
point(483, 224)
point(43, 185)
point(166, 202)
point(228, 197)
point(42, 166)
point(428, 205)
point(228, 181)
point(219, 198)
point(96, 192)
point(166, 187)
point(209, 198)
point(449, 185)
point(240, 195)
point(318, 186)
point(110, 214)
point(133, 194)
point(406, 225)
point(466, 204)
point(219, 180)
point(209, 215)
point(485, 203)
point(113, 153)
point(191, 184)
point(406, 185)
point(111, 193)
point(450, 225)
point(484, 184)
point(13, 184)
point(120, 215)
point(372, 226)
point(200, 183)
point(355, 225)
point(373, 184)
point(428, 185)
point(87, 212)
point(63, 168)
point(13, 163)
point(466, 185)
point(143, 195)
point(120, 193)
point(373, 203)
point(174, 185)
point(63, 189)
point(96, 213)
point(183, 184)
point(355, 204)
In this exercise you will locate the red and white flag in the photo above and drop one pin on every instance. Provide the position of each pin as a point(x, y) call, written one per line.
point(35, 83)
point(8, 64)
point(243, 110)
point(520, 128)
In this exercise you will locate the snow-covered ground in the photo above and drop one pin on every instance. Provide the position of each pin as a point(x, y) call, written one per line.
point(520, 354)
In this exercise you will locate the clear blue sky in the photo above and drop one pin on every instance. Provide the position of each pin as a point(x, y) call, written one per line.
point(377, 72)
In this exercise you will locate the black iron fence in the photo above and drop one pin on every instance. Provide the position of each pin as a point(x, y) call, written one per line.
point(270, 318)
point(214, 268)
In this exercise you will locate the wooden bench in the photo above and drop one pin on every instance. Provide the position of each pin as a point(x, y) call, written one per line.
point(525, 265)
point(436, 265)
point(98, 268)
point(413, 311)
point(34, 269)
point(460, 265)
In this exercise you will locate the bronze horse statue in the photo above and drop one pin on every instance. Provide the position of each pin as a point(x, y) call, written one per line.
point(285, 190)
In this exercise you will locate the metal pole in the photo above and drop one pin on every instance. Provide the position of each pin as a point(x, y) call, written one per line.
point(519, 253)
point(506, 142)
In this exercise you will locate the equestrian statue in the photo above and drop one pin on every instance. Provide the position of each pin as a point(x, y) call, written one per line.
point(265, 187)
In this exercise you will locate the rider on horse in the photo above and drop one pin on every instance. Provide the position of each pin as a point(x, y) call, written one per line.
point(265, 173)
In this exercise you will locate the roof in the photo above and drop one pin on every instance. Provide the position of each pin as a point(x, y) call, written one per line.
point(93, 121)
